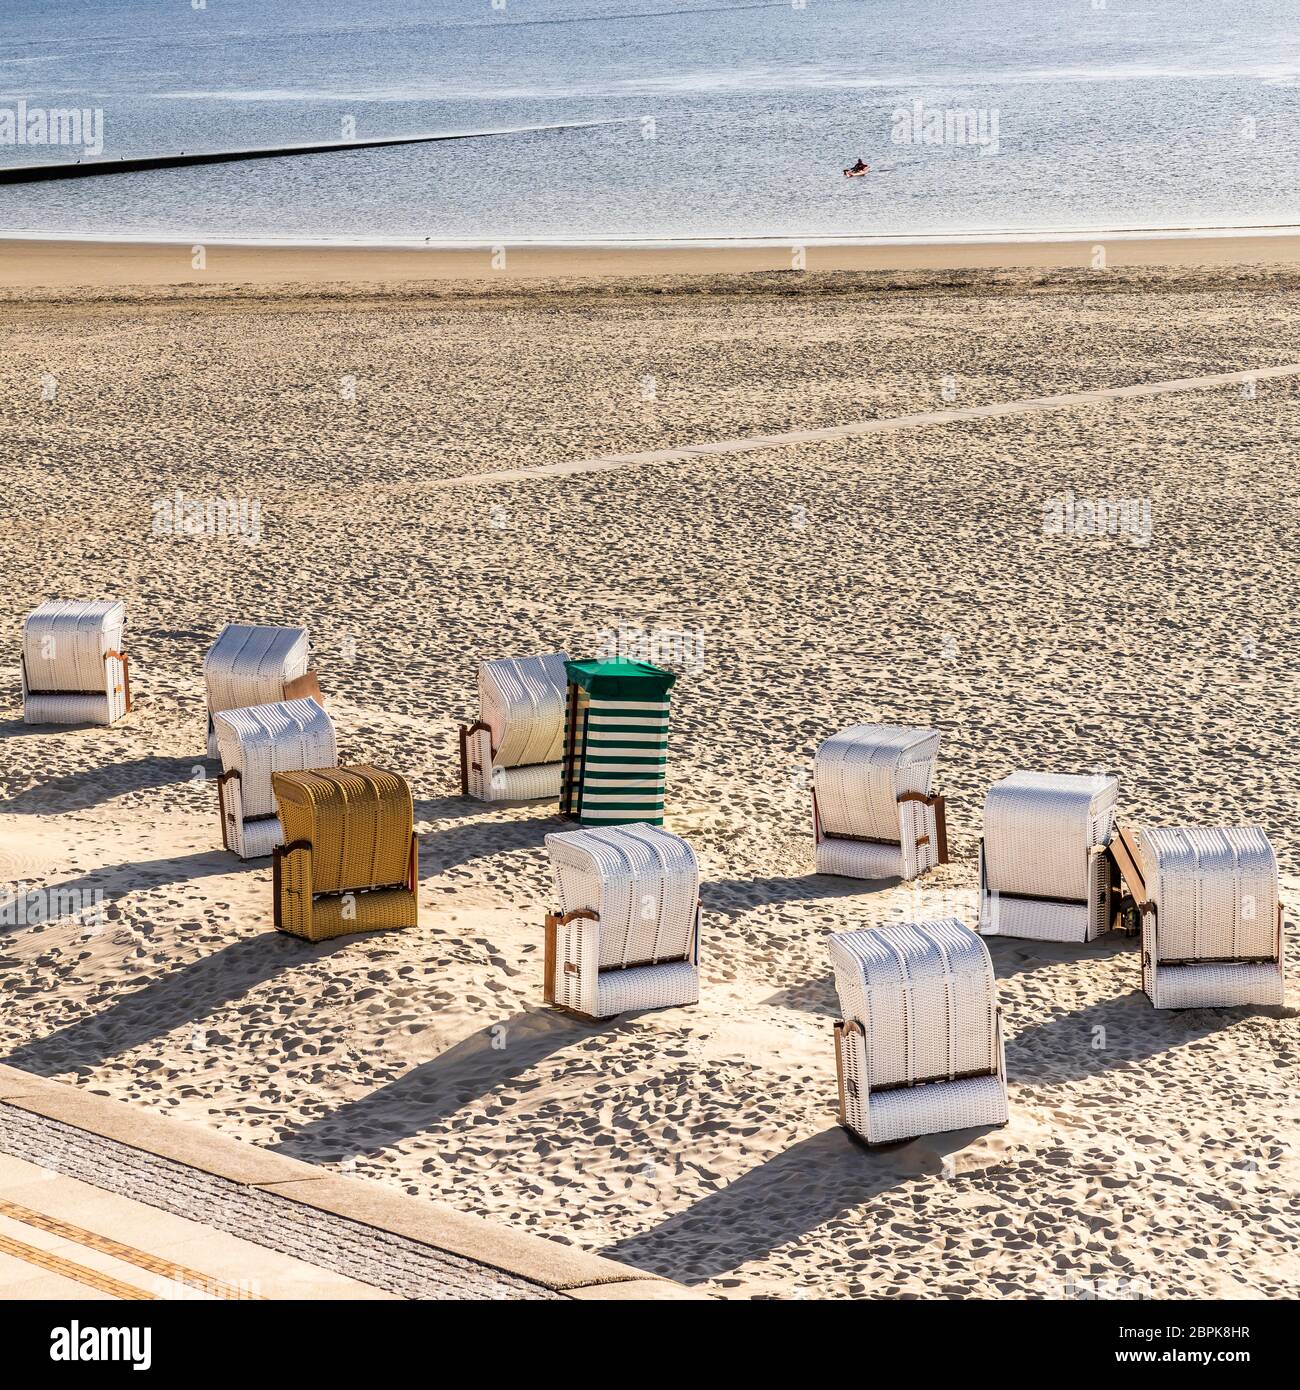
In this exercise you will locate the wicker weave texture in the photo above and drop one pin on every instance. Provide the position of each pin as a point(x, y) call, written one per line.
point(925, 996)
point(644, 886)
point(341, 914)
point(64, 644)
point(668, 986)
point(1215, 892)
point(69, 676)
point(859, 774)
point(249, 665)
point(489, 781)
point(302, 912)
point(249, 839)
point(1101, 905)
point(286, 736)
point(256, 743)
point(522, 701)
point(1034, 921)
point(582, 986)
point(358, 820)
point(576, 984)
point(920, 1051)
point(918, 837)
point(643, 883)
point(540, 782)
point(936, 1108)
point(1222, 985)
point(855, 1079)
point(885, 1117)
point(1039, 828)
point(857, 859)
point(70, 709)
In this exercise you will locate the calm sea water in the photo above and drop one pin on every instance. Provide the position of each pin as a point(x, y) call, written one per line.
point(723, 119)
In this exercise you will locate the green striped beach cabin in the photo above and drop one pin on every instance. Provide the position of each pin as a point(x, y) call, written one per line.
point(615, 742)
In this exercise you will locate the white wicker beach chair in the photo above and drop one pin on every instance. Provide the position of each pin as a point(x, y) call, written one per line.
point(1211, 919)
point(1044, 870)
point(253, 665)
point(514, 751)
point(626, 935)
point(919, 1049)
point(874, 814)
point(289, 736)
point(74, 670)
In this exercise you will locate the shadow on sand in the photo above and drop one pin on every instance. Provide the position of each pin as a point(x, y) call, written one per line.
point(738, 894)
point(433, 1091)
point(788, 1197)
point(117, 880)
point(1013, 956)
point(1106, 1035)
point(473, 835)
point(172, 1001)
point(79, 791)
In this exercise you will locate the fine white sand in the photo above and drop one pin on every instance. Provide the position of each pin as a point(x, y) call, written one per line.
point(903, 576)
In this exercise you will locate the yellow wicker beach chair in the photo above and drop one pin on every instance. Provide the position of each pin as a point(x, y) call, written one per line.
point(348, 862)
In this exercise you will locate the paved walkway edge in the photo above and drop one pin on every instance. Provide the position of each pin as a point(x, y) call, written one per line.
point(560, 1268)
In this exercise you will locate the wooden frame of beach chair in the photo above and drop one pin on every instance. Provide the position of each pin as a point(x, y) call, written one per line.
point(513, 751)
point(350, 860)
point(73, 667)
point(919, 1049)
point(626, 935)
point(874, 813)
point(251, 664)
point(1206, 901)
point(615, 742)
point(1044, 870)
point(255, 743)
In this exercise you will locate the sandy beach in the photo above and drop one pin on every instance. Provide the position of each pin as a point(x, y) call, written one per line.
point(902, 576)
point(74, 262)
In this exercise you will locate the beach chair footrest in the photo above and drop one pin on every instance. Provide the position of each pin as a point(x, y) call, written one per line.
point(539, 782)
point(1034, 919)
point(46, 707)
point(1217, 985)
point(665, 986)
point(934, 1108)
point(859, 859)
point(257, 838)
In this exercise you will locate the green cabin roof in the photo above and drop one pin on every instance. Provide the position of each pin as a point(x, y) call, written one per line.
point(629, 680)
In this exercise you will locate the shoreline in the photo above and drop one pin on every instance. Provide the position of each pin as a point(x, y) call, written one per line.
point(611, 241)
point(55, 261)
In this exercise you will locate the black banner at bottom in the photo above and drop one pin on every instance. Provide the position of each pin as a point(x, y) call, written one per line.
point(177, 1338)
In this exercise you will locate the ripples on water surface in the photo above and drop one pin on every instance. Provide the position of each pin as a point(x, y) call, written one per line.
point(1138, 114)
